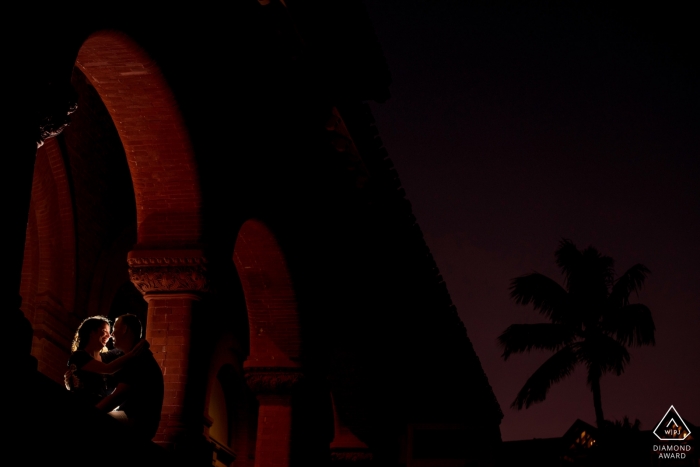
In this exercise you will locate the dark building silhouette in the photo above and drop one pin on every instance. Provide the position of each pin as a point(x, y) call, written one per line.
point(584, 445)
point(222, 178)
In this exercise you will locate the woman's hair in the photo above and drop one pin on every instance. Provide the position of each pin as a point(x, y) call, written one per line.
point(87, 327)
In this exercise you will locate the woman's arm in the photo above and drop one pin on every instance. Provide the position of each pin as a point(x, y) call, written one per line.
point(117, 364)
point(114, 400)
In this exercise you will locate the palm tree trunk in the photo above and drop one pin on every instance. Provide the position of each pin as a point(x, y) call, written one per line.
point(597, 404)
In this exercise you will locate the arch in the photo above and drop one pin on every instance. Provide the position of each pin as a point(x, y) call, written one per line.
point(53, 211)
point(220, 410)
point(229, 402)
point(48, 271)
point(155, 140)
point(269, 295)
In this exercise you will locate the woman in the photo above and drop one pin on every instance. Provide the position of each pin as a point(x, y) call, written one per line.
point(88, 378)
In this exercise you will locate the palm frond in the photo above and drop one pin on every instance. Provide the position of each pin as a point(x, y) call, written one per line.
point(557, 367)
point(545, 294)
point(631, 281)
point(601, 354)
point(631, 324)
point(543, 336)
point(626, 425)
point(592, 321)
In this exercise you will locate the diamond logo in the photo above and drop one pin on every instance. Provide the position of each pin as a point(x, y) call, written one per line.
point(672, 427)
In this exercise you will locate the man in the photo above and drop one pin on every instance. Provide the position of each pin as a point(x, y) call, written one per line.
point(137, 399)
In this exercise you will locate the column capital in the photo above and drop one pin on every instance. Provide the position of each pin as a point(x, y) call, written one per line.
point(168, 271)
point(354, 457)
point(264, 381)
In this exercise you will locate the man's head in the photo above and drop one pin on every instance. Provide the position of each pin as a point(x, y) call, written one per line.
point(127, 331)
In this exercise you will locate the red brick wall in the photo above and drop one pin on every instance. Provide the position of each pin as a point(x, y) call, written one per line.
point(269, 295)
point(170, 320)
point(155, 139)
point(54, 214)
point(48, 275)
point(274, 432)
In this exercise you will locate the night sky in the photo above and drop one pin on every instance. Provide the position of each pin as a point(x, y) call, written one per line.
point(515, 126)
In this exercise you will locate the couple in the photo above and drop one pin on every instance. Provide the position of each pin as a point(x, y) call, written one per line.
point(125, 382)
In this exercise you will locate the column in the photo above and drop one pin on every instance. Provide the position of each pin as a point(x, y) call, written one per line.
point(172, 282)
point(273, 387)
point(346, 448)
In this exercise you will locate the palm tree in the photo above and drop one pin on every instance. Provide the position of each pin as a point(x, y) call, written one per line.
point(592, 321)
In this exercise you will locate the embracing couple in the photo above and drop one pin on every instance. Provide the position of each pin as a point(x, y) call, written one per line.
point(125, 382)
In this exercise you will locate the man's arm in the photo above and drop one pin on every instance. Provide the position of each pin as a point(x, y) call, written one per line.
point(117, 364)
point(114, 400)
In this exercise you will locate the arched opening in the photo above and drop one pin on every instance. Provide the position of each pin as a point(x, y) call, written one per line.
point(167, 200)
point(48, 271)
point(273, 366)
point(231, 414)
point(219, 431)
point(275, 339)
point(129, 178)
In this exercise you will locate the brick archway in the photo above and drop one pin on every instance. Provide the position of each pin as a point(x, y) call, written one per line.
point(51, 210)
point(48, 270)
point(270, 299)
point(272, 367)
point(168, 199)
point(155, 140)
